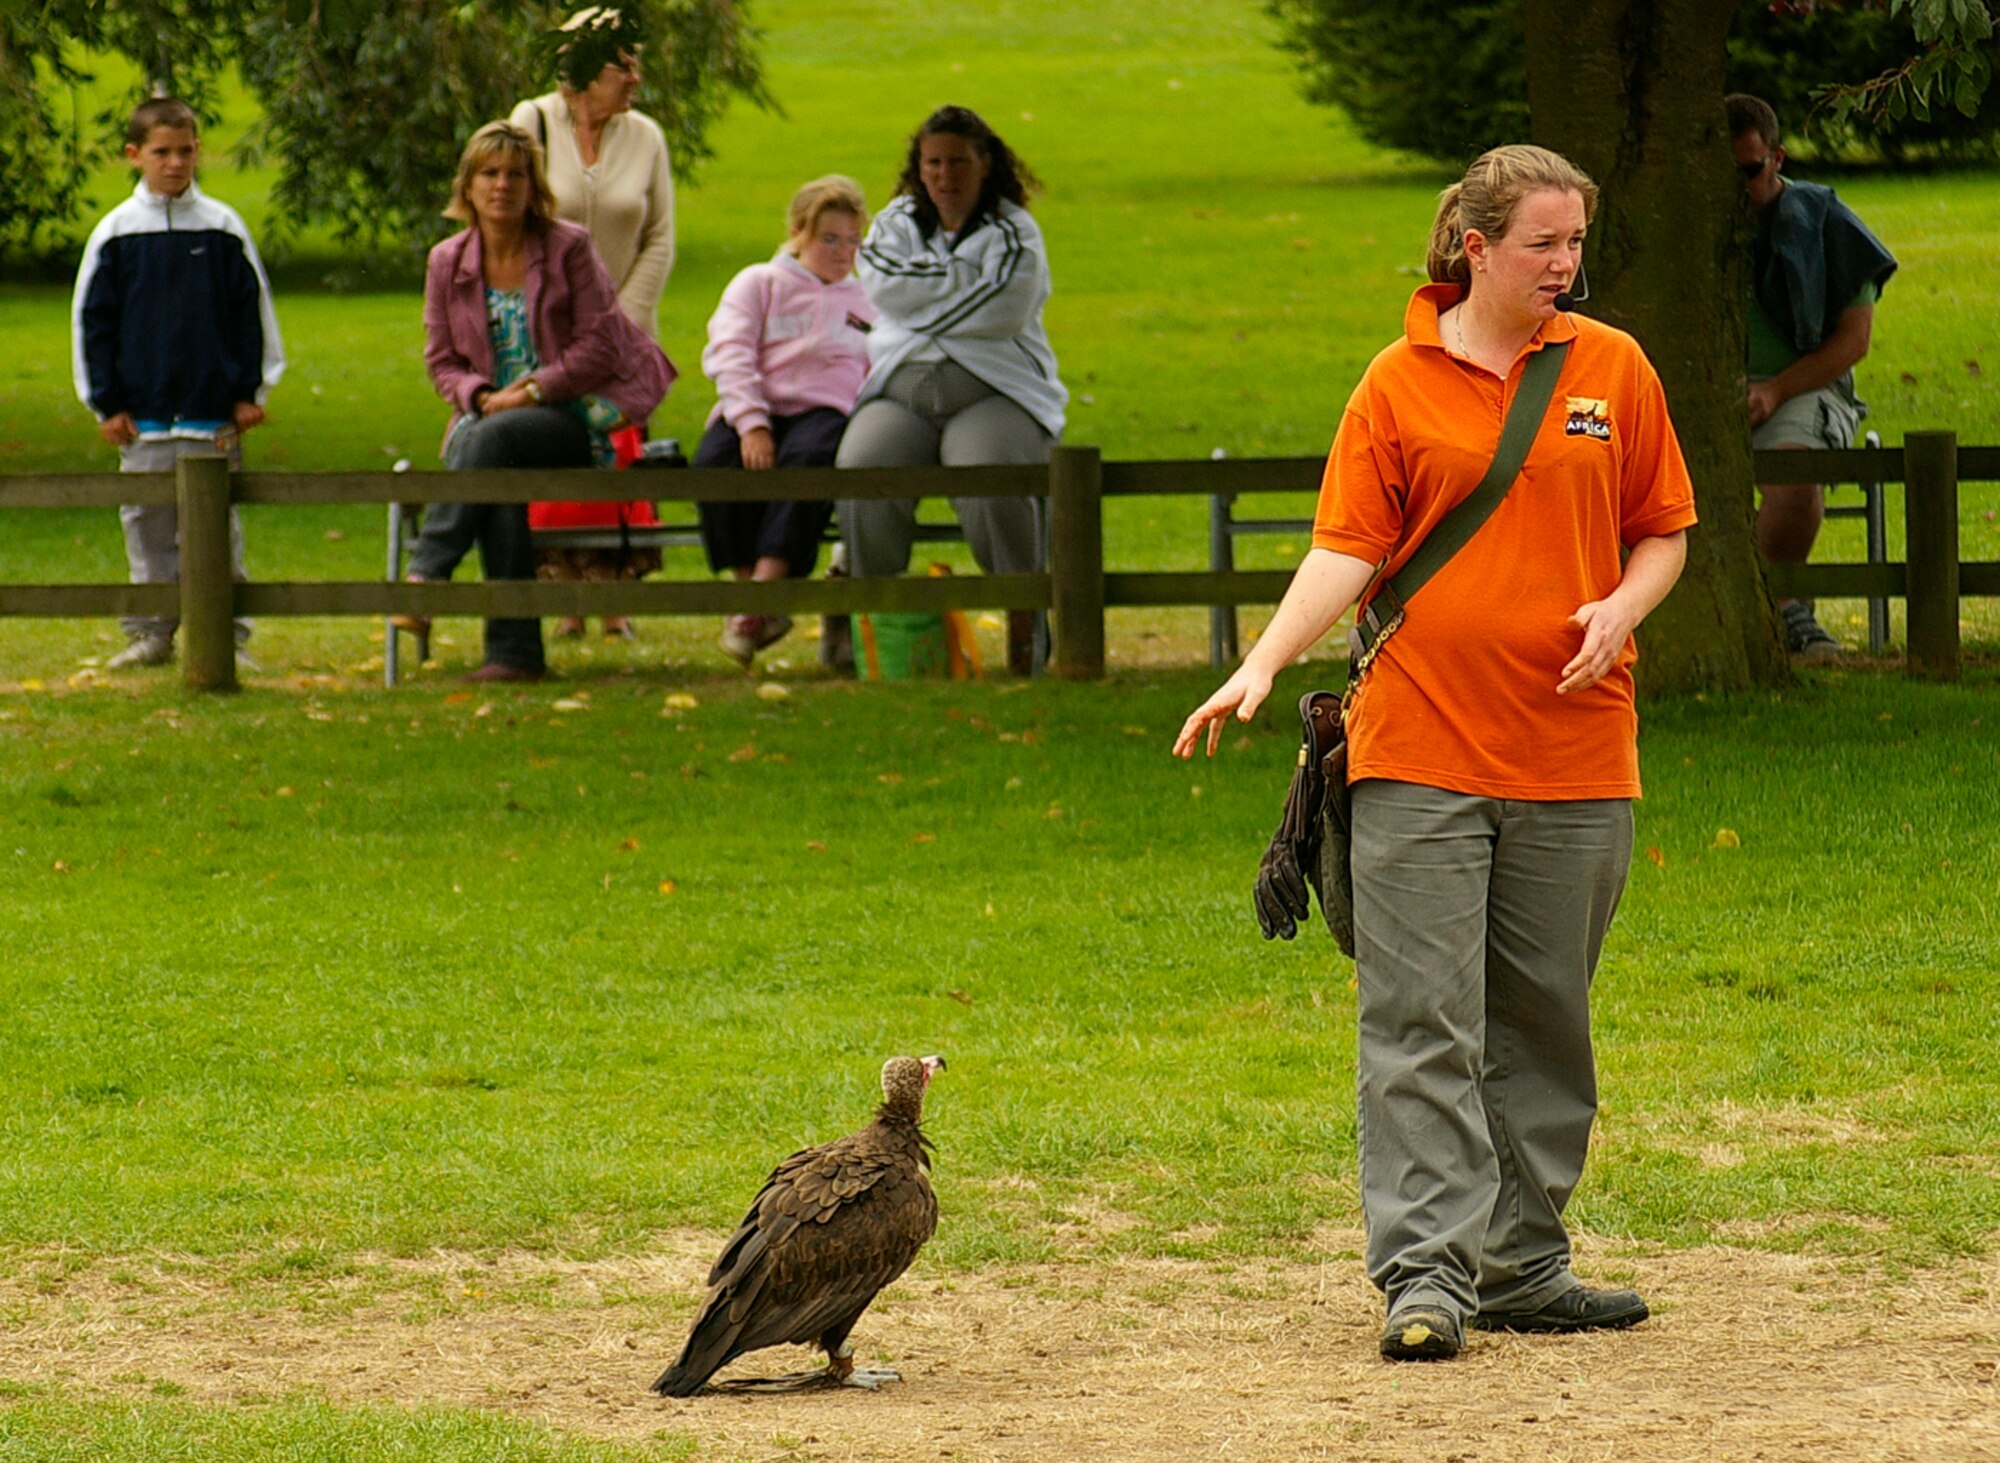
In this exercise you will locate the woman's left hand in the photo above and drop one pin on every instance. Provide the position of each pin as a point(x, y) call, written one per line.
point(508, 398)
point(1606, 624)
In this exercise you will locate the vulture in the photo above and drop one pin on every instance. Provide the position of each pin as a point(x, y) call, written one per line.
point(831, 1227)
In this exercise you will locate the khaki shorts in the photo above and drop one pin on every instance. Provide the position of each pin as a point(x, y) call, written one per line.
point(1823, 418)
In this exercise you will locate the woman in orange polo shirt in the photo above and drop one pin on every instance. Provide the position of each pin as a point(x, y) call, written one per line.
point(1493, 752)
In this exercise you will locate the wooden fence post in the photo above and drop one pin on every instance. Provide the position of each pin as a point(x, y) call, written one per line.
point(208, 594)
point(1930, 509)
point(1076, 561)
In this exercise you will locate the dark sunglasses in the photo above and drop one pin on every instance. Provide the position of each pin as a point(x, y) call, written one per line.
point(1751, 170)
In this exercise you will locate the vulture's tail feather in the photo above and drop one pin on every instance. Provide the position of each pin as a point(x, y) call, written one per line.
point(710, 1348)
point(679, 1381)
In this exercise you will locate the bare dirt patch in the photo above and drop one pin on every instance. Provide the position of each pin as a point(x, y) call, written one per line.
point(1749, 1356)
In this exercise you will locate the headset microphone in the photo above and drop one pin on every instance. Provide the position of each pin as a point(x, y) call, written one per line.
point(1567, 301)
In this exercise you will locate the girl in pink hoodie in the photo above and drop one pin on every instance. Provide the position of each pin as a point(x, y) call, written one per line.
point(787, 351)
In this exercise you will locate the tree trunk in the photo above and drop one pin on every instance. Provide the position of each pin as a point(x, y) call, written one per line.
point(1631, 91)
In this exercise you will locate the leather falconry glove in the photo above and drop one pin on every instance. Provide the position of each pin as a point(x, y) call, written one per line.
point(1281, 892)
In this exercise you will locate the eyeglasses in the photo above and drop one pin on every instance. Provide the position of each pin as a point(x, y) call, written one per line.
point(1751, 170)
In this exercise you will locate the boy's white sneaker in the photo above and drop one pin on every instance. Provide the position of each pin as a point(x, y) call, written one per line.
point(147, 650)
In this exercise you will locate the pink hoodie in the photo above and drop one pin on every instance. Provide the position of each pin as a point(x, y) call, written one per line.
point(783, 341)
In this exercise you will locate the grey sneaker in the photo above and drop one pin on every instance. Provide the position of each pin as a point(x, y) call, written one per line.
point(744, 635)
point(147, 650)
point(1804, 636)
point(739, 639)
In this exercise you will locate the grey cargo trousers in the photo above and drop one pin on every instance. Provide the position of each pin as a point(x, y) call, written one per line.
point(1478, 924)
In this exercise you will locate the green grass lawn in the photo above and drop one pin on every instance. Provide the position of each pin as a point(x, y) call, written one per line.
point(297, 979)
point(359, 971)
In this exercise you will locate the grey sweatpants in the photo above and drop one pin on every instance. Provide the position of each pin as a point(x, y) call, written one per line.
point(938, 412)
point(153, 535)
point(1478, 923)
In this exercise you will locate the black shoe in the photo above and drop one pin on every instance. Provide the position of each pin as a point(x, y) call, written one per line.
point(1422, 1333)
point(1577, 1309)
point(1805, 637)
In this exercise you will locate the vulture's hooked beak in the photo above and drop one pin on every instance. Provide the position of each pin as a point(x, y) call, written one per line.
point(932, 1066)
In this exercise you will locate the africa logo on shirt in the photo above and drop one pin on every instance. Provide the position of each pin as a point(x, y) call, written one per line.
point(1588, 416)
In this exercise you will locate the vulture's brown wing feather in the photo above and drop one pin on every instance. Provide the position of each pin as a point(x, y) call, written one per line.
point(827, 1271)
point(832, 1226)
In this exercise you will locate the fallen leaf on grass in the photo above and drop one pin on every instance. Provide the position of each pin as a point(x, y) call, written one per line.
point(568, 703)
point(1053, 814)
point(61, 867)
point(773, 691)
point(1195, 791)
point(888, 779)
point(458, 698)
point(31, 683)
point(630, 845)
point(745, 753)
point(815, 847)
point(1726, 838)
point(961, 997)
point(923, 838)
point(1659, 859)
point(667, 886)
point(681, 701)
point(286, 792)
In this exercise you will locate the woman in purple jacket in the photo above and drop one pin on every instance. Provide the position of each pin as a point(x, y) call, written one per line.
point(524, 337)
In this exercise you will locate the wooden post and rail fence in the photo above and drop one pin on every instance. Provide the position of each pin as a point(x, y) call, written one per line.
point(1076, 589)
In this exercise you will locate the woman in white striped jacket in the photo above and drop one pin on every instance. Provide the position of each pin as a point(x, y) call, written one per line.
point(960, 369)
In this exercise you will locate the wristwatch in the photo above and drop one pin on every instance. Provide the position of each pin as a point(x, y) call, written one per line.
point(534, 390)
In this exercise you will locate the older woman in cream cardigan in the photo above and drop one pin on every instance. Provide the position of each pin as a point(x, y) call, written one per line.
point(606, 163)
point(609, 170)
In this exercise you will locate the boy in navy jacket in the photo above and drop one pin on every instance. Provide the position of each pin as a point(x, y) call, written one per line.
point(175, 345)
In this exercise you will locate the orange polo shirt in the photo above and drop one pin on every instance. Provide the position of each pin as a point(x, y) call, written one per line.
point(1463, 697)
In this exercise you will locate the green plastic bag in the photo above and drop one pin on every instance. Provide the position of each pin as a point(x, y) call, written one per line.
point(902, 647)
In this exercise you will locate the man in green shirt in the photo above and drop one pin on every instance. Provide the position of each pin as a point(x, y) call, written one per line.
point(1816, 273)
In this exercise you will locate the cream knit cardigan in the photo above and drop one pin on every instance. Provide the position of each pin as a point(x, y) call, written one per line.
point(626, 202)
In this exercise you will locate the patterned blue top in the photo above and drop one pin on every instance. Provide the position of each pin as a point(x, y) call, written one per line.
point(514, 358)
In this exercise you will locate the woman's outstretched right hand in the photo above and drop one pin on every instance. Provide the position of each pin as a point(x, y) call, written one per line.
point(1240, 695)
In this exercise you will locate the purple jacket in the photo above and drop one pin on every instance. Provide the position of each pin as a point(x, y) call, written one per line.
point(588, 346)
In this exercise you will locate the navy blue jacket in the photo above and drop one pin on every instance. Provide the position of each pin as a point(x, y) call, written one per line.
point(172, 316)
point(1810, 262)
